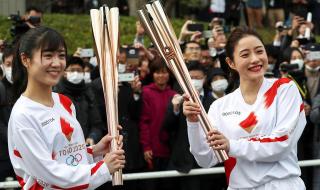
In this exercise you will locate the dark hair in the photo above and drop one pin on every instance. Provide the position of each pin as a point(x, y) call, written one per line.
point(8, 51)
point(34, 8)
point(196, 66)
point(157, 65)
point(288, 52)
point(184, 46)
point(71, 60)
point(43, 38)
point(236, 35)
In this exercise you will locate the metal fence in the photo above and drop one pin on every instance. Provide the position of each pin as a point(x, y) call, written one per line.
point(169, 174)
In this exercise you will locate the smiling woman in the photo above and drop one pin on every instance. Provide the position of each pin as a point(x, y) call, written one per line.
point(46, 143)
point(261, 139)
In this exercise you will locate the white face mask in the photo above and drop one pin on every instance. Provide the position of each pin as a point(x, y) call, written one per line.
point(1, 58)
point(75, 77)
point(299, 62)
point(8, 73)
point(219, 85)
point(87, 77)
point(198, 84)
point(316, 69)
point(93, 61)
point(270, 67)
point(212, 52)
point(121, 68)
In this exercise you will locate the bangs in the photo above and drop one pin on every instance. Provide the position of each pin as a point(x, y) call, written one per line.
point(52, 41)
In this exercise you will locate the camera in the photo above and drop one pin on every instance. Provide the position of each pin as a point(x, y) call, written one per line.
point(285, 67)
point(282, 28)
point(19, 25)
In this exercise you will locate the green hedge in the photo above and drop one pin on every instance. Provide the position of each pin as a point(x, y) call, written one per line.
point(77, 30)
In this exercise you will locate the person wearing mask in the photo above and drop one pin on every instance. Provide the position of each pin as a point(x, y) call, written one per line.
point(312, 68)
point(217, 80)
point(73, 86)
point(46, 144)
point(296, 72)
point(155, 99)
point(88, 68)
point(258, 124)
point(312, 73)
point(175, 124)
point(6, 104)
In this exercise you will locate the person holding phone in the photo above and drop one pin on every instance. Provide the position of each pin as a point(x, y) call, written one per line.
point(46, 144)
point(258, 125)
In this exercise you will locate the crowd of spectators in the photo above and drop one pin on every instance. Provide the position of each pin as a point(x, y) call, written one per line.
point(150, 99)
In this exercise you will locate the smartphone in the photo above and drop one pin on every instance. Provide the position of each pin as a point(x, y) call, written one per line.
point(86, 52)
point(126, 77)
point(132, 56)
point(195, 27)
point(207, 34)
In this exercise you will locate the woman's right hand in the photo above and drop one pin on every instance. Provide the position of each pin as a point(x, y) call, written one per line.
point(190, 109)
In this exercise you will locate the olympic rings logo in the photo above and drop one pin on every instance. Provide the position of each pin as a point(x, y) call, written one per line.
point(74, 160)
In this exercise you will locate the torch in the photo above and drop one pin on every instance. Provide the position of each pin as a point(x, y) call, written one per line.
point(160, 30)
point(105, 27)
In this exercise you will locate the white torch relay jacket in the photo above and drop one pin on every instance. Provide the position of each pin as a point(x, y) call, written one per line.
point(48, 150)
point(263, 136)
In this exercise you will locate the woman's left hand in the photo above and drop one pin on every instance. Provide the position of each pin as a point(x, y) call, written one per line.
point(218, 141)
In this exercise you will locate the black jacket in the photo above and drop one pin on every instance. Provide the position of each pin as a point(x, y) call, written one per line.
point(6, 104)
point(87, 111)
point(181, 159)
point(128, 115)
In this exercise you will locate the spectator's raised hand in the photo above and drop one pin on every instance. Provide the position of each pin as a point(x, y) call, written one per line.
point(185, 32)
point(196, 36)
point(136, 85)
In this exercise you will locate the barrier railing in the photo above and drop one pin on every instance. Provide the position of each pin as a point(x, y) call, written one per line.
point(168, 174)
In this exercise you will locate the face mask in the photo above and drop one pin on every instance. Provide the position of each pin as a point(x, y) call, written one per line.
point(93, 61)
point(1, 58)
point(8, 74)
point(212, 52)
point(312, 69)
point(121, 68)
point(270, 67)
point(198, 84)
point(87, 77)
point(299, 62)
point(75, 77)
point(219, 85)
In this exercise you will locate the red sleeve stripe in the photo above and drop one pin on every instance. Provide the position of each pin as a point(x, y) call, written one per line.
point(89, 150)
point(21, 181)
point(228, 167)
point(302, 107)
point(272, 92)
point(66, 102)
point(85, 186)
point(17, 153)
point(268, 140)
point(96, 167)
point(36, 186)
point(250, 121)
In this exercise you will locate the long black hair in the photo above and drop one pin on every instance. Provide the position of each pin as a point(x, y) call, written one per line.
point(40, 38)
